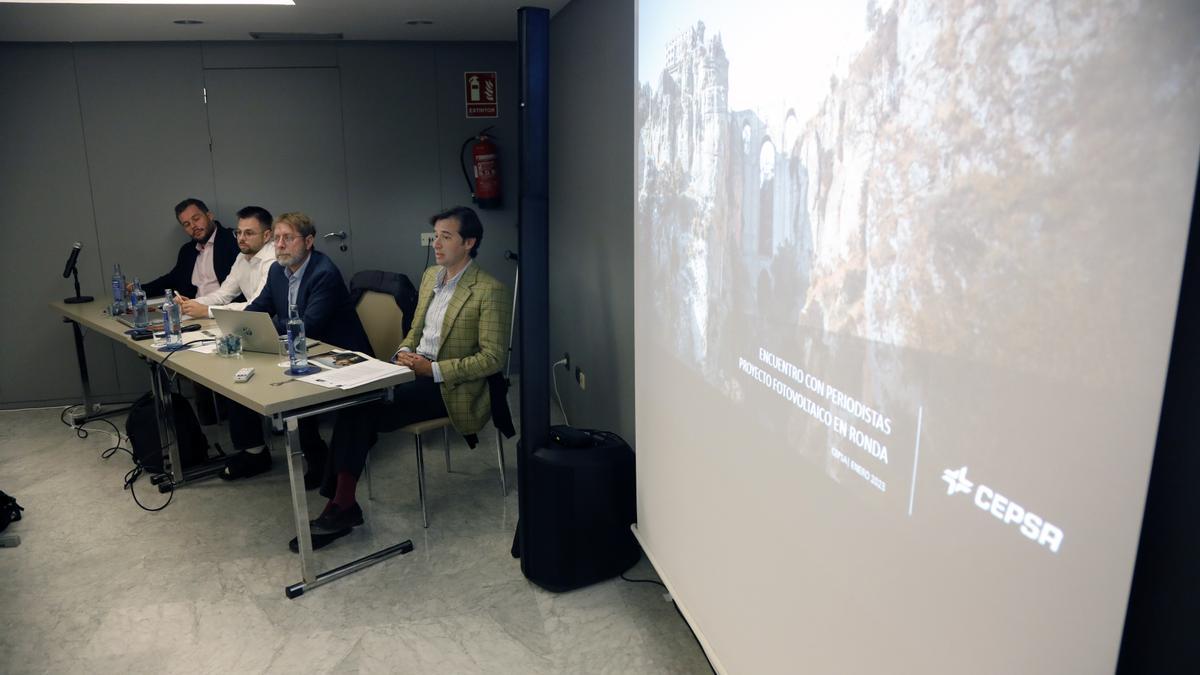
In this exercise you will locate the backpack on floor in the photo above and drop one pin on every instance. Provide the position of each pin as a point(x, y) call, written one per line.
point(10, 511)
point(142, 429)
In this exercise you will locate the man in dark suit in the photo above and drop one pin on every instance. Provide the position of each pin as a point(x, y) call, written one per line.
point(204, 262)
point(311, 281)
point(201, 266)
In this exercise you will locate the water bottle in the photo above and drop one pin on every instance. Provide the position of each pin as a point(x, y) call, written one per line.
point(141, 313)
point(297, 344)
point(118, 291)
point(172, 320)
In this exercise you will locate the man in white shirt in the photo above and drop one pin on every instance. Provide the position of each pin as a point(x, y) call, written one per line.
point(249, 272)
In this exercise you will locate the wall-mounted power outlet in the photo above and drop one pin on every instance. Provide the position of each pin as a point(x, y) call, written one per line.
point(427, 238)
point(581, 378)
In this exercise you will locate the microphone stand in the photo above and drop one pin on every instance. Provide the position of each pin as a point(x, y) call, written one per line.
point(78, 299)
point(91, 409)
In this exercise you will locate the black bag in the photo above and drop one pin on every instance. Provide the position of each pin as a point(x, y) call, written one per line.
point(142, 429)
point(10, 510)
point(574, 526)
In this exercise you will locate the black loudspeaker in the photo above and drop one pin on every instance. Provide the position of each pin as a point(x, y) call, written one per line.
point(578, 510)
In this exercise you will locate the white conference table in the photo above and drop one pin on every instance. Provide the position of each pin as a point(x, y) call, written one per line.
point(285, 405)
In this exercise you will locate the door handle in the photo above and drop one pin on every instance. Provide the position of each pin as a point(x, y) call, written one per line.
point(340, 235)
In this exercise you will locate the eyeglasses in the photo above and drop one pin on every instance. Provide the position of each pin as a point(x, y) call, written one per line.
point(248, 233)
point(286, 239)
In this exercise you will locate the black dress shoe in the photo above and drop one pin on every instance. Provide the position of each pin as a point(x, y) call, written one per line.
point(245, 465)
point(335, 519)
point(319, 541)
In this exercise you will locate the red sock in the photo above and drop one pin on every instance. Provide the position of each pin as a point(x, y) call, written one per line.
point(343, 496)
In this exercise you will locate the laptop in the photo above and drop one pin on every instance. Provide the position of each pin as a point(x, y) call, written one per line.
point(156, 322)
point(256, 328)
point(153, 307)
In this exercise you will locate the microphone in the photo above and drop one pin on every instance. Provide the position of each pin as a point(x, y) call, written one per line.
point(68, 271)
point(71, 260)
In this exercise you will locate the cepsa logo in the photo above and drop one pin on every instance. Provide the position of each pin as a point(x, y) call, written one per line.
point(1034, 527)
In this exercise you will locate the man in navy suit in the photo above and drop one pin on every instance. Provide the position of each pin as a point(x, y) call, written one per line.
point(311, 281)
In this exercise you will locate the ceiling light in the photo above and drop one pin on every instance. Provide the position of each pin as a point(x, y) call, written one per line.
point(261, 35)
point(188, 22)
point(150, 2)
point(418, 22)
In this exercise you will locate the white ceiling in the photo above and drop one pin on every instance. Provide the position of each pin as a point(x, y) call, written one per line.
point(454, 20)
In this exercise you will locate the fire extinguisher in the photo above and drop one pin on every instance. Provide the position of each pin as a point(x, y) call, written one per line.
point(485, 161)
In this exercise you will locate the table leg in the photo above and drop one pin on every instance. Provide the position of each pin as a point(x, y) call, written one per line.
point(295, 459)
point(300, 507)
point(81, 357)
point(296, 590)
point(166, 421)
point(91, 409)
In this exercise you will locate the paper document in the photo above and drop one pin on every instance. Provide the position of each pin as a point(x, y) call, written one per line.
point(338, 358)
point(188, 338)
point(195, 335)
point(354, 375)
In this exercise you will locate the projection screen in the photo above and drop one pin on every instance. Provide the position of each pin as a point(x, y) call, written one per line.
point(906, 276)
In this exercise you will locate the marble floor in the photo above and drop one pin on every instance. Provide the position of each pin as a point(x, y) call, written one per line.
point(98, 585)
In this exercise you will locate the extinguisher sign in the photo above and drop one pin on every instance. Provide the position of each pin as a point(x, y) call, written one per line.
point(481, 94)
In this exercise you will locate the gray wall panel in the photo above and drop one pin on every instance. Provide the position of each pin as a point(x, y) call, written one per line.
point(277, 143)
point(47, 206)
point(591, 209)
point(147, 139)
point(269, 54)
point(391, 153)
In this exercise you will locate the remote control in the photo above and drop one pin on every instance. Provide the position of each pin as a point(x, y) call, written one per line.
point(243, 375)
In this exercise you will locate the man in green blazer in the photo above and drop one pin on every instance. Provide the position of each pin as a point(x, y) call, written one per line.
point(471, 339)
point(459, 337)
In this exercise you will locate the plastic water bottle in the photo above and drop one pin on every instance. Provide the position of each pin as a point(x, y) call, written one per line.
point(118, 291)
point(297, 344)
point(172, 320)
point(141, 313)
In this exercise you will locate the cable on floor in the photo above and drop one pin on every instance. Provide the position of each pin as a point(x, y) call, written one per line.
point(131, 476)
point(677, 611)
point(642, 581)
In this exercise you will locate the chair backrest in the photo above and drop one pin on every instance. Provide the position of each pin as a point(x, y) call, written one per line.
point(391, 283)
point(382, 320)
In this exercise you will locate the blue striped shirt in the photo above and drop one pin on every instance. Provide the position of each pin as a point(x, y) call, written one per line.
point(294, 279)
point(435, 315)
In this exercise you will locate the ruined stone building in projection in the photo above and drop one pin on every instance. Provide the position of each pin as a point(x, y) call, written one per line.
point(909, 204)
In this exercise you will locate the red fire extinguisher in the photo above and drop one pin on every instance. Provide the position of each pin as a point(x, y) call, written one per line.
point(485, 161)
